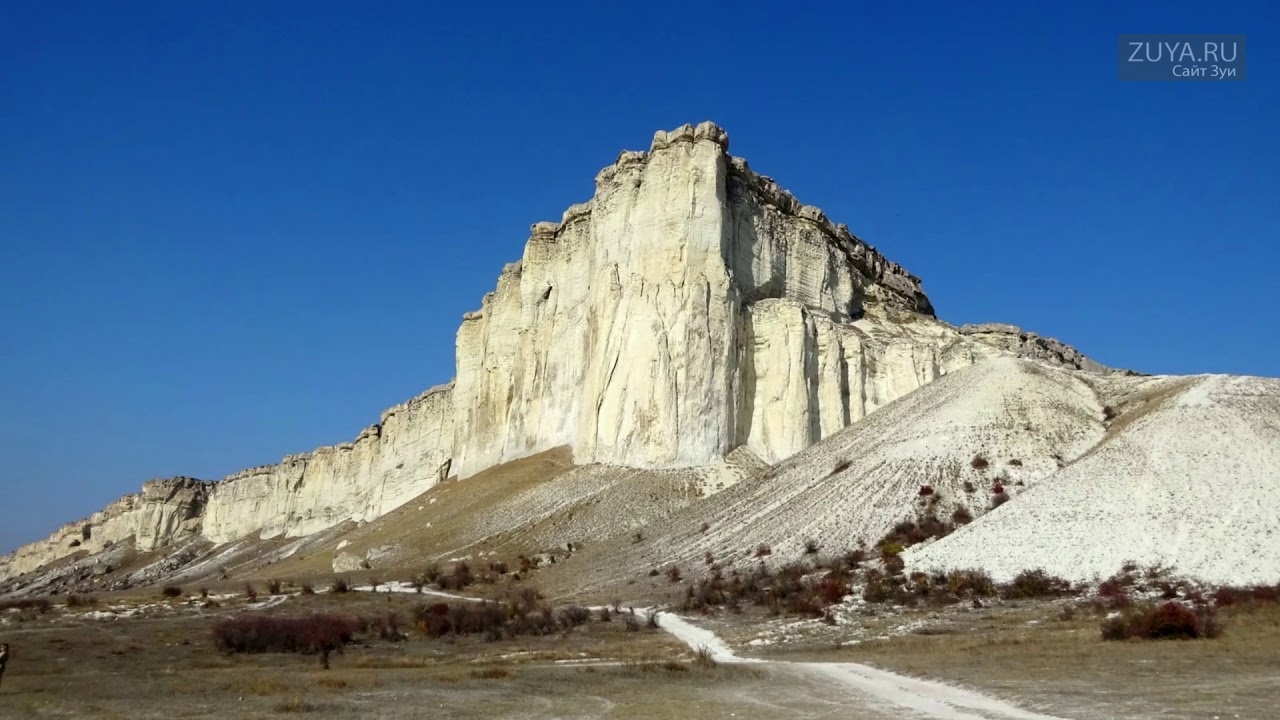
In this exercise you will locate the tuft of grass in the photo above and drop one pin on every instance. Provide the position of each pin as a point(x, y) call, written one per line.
point(811, 547)
point(294, 704)
point(491, 673)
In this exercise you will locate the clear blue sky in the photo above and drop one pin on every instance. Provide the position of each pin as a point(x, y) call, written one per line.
point(235, 230)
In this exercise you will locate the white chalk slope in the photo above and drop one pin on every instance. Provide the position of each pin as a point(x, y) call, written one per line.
point(1190, 481)
point(854, 486)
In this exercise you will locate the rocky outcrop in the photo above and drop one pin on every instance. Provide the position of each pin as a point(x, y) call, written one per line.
point(690, 308)
point(164, 512)
point(1021, 343)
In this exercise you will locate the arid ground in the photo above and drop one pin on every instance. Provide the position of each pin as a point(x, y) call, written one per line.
point(144, 656)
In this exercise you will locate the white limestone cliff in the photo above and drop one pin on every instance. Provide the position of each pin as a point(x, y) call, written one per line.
point(691, 307)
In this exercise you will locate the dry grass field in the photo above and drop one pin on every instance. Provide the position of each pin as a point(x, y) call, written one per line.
point(160, 662)
point(1034, 656)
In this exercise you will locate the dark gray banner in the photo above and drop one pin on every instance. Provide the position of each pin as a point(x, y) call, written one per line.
point(1196, 58)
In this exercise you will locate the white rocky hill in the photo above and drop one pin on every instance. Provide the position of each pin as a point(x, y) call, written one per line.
point(1187, 479)
point(691, 309)
point(1099, 471)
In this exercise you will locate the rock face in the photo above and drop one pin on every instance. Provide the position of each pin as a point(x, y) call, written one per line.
point(690, 308)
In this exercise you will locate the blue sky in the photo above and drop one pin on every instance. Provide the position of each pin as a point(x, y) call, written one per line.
point(235, 230)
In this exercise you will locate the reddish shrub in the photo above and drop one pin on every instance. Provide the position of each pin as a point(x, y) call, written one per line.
point(1226, 595)
point(832, 590)
point(264, 633)
point(1170, 620)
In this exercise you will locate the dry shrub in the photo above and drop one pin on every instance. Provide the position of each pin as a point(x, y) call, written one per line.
point(491, 673)
point(171, 591)
point(811, 547)
point(978, 462)
point(763, 550)
point(1171, 620)
point(274, 587)
point(1227, 596)
point(264, 633)
point(250, 593)
point(340, 585)
point(673, 574)
point(1035, 584)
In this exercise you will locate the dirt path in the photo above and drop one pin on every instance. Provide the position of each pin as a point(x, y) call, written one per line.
point(924, 698)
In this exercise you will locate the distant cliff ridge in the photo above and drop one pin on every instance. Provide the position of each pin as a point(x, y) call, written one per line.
point(690, 308)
